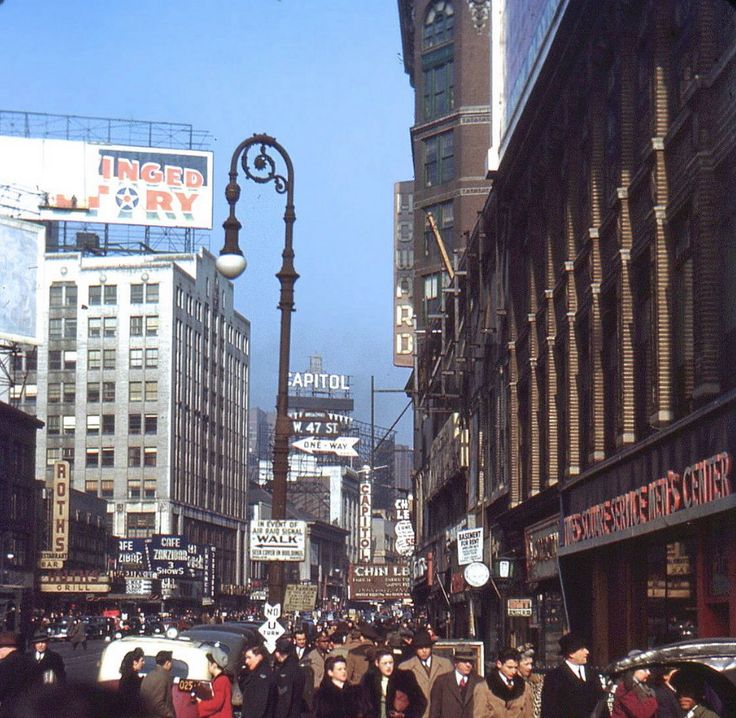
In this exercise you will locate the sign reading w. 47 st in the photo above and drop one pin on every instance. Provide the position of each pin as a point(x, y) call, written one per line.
point(276, 540)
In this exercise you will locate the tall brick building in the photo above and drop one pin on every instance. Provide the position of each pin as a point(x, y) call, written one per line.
point(596, 322)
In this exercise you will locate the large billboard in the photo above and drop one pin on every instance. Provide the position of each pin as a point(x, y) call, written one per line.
point(22, 246)
point(62, 180)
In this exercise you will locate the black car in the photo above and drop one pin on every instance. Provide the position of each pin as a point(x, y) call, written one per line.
point(709, 663)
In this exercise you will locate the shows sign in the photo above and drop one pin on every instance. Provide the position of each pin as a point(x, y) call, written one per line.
point(110, 184)
point(378, 582)
point(277, 540)
point(168, 555)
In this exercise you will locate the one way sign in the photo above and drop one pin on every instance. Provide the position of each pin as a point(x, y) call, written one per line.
point(276, 540)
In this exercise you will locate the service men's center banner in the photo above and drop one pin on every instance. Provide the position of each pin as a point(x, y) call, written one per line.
point(62, 180)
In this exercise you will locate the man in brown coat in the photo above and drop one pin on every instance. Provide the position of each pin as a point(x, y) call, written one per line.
point(426, 667)
point(156, 688)
point(453, 693)
point(360, 656)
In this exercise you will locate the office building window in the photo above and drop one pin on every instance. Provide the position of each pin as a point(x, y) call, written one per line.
point(152, 358)
point(134, 456)
point(68, 425)
point(151, 424)
point(93, 424)
point(107, 457)
point(54, 393)
point(95, 295)
point(93, 391)
point(136, 294)
point(67, 454)
point(90, 486)
point(141, 525)
point(135, 391)
point(53, 425)
point(108, 423)
point(151, 326)
point(108, 391)
point(54, 360)
point(134, 489)
point(70, 329)
point(53, 455)
point(106, 488)
point(135, 360)
point(136, 326)
point(70, 359)
point(439, 159)
point(56, 295)
point(438, 24)
point(134, 423)
point(69, 393)
point(150, 456)
point(70, 295)
point(444, 217)
point(108, 359)
point(32, 360)
point(92, 457)
point(151, 391)
point(94, 359)
point(439, 84)
point(151, 293)
point(54, 328)
point(94, 327)
point(110, 326)
point(110, 294)
point(432, 286)
point(149, 489)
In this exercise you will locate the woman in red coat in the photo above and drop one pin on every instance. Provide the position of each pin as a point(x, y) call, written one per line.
point(220, 704)
point(633, 697)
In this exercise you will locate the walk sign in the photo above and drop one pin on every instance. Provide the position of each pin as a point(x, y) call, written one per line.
point(277, 540)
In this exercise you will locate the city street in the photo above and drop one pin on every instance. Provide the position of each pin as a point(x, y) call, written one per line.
point(81, 666)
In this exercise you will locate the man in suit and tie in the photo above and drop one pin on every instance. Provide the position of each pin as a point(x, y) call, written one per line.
point(572, 689)
point(49, 664)
point(452, 694)
point(425, 666)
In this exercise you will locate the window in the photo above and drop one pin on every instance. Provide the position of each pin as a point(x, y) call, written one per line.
point(70, 359)
point(438, 24)
point(136, 359)
point(90, 486)
point(92, 457)
point(67, 454)
point(150, 456)
point(134, 456)
point(110, 326)
point(107, 457)
point(68, 424)
point(151, 293)
point(151, 424)
point(93, 424)
point(108, 423)
point(134, 423)
point(53, 455)
point(95, 295)
point(106, 488)
point(151, 391)
point(134, 489)
point(141, 525)
point(69, 393)
point(94, 359)
point(136, 326)
point(53, 425)
point(444, 218)
point(151, 326)
point(54, 393)
point(54, 328)
point(152, 358)
point(94, 325)
point(432, 286)
point(135, 391)
point(111, 294)
point(54, 360)
point(70, 329)
point(149, 489)
point(56, 295)
point(108, 391)
point(71, 295)
point(439, 159)
point(93, 391)
point(439, 83)
point(32, 360)
point(108, 359)
point(136, 294)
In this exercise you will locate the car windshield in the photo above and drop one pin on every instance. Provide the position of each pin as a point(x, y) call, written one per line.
point(179, 669)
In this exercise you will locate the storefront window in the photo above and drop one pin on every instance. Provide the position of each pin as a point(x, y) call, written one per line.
point(671, 599)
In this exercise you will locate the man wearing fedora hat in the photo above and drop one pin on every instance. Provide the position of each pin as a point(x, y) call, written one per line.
point(453, 693)
point(49, 664)
point(426, 667)
point(573, 689)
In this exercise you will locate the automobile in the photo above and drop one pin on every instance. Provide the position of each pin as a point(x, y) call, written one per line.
point(710, 663)
point(189, 666)
point(97, 626)
point(247, 630)
point(58, 630)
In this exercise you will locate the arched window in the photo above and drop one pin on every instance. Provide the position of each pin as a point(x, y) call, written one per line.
point(438, 24)
point(437, 60)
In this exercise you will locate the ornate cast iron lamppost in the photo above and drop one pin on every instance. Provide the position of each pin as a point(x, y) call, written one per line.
point(231, 264)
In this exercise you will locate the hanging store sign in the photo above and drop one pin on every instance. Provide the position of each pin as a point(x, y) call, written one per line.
point(378, 582)
point(60, 508)
point(702, 483)
point(469, 546)
point(278, 540)
point(519, 607)
point(74, 582)
point(541, 542)
point(168, 555)
point(365, 523)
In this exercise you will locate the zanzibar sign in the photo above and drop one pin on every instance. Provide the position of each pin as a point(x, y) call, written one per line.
point(702, 483)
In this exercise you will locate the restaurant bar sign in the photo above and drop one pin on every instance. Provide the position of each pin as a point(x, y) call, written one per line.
point(74, 582)
point(383, 582)
point(702, 483)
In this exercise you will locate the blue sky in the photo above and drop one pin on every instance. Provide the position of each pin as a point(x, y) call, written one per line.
point(324, 77)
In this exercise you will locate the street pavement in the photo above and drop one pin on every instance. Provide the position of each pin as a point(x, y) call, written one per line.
point(81, 666)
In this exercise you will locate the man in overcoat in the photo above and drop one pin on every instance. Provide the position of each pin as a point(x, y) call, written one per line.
point(573, 688)
point(289, 681)
point(157, 686)
point(425, 666)
point(452, 695)
point(256, 683)
point(49, 664)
